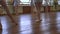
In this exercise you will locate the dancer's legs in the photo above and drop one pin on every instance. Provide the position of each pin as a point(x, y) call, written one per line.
point(38, 7)
point(3, 3)
point(16, 9)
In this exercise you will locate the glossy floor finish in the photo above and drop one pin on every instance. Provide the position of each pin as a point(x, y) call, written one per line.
point(50, 24)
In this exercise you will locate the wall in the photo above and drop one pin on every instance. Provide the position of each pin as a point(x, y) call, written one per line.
point(2, 11)
point(23, 9)
point(26, 9)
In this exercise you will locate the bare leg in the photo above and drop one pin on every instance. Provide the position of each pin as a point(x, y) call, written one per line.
point(16, 9)
point(36, 12)
point(3, 3)
point(38, 7)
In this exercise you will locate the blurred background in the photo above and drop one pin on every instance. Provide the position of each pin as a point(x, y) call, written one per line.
point(26, 4)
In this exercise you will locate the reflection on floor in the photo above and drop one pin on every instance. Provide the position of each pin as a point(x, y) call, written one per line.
point(50, 24)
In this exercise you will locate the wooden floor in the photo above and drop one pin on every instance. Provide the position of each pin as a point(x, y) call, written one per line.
point(50, 24)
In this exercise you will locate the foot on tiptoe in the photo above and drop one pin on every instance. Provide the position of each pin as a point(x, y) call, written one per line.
point(38, 21)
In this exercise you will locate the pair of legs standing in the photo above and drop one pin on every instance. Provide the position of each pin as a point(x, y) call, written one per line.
point(3, 3)
point(36, 14)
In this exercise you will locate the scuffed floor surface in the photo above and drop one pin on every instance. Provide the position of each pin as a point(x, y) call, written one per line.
point(50, 24)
